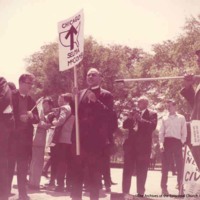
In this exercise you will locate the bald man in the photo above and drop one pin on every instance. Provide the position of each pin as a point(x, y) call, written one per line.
point(137, 148)
point(95, 108)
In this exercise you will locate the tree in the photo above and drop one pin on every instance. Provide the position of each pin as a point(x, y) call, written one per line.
point(170, 58)
point(44, 65)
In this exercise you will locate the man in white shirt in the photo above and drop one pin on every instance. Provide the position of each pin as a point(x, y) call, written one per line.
point(172, 136)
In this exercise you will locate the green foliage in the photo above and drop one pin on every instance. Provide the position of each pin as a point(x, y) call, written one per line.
point(169, 59)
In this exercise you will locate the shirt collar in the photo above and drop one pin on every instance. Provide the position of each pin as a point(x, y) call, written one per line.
point(22, 95)
point(95, 87)
point(172, 115)
point(143, 111)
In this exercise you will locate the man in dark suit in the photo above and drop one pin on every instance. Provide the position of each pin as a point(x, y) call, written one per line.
point(95, 109)
point(193, 98)
point(25, 117)
point(6, 128)
point(137, 148)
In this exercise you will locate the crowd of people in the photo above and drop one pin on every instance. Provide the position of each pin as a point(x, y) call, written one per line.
point(24, 147)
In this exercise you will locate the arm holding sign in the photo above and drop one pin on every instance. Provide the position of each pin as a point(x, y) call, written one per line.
point(193, 98)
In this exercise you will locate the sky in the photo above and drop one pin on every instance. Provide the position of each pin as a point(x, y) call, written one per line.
point(26, 25)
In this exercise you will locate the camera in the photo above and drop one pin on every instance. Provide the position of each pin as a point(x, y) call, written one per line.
point(50, 117)
point(135, 111)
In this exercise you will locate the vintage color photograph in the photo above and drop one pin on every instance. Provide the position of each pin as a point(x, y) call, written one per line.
point(99, 100)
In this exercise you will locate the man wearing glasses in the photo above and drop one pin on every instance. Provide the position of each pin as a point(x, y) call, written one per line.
point(95, 108)
point(25, 117)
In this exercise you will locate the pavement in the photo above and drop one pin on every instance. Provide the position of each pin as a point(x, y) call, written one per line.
point(153, 190)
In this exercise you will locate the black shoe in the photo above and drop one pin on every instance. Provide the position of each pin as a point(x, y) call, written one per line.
point(45, 174)
point(181, 190)
point(11, 194)
point(33, 187)
point(165, 192)
point(50, 184)
point(59, 189)
point(127, 196)
point(27, 182)
point(42, 187)
point(24, 197)
point(85, 189)
point(108, 189)
point(68, 189)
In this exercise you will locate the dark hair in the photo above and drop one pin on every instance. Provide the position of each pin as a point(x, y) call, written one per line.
point(49, 100)
point(12, 86)
point(172, 101)
point(25, 77)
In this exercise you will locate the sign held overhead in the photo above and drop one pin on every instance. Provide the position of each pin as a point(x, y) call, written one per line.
point(71, 41)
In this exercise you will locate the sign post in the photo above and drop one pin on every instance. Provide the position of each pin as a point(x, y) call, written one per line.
point(71, 45)
point(76, 114)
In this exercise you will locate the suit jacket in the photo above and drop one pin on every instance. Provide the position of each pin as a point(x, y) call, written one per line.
point(145, 129)
point(141, 139)
point(5, 95)
point(94, 120)
point(193, 98)
point(6, 116)
point(65, 124)
point(24, 136)
point(130, 143)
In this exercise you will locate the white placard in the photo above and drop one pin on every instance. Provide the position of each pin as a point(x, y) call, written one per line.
point(195, 132)
point(71, 41)
point(191, 177)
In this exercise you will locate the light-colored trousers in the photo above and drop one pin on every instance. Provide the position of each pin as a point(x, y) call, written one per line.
point(36, 166)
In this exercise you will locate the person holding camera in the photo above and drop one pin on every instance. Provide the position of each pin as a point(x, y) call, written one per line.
point(137, 148)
